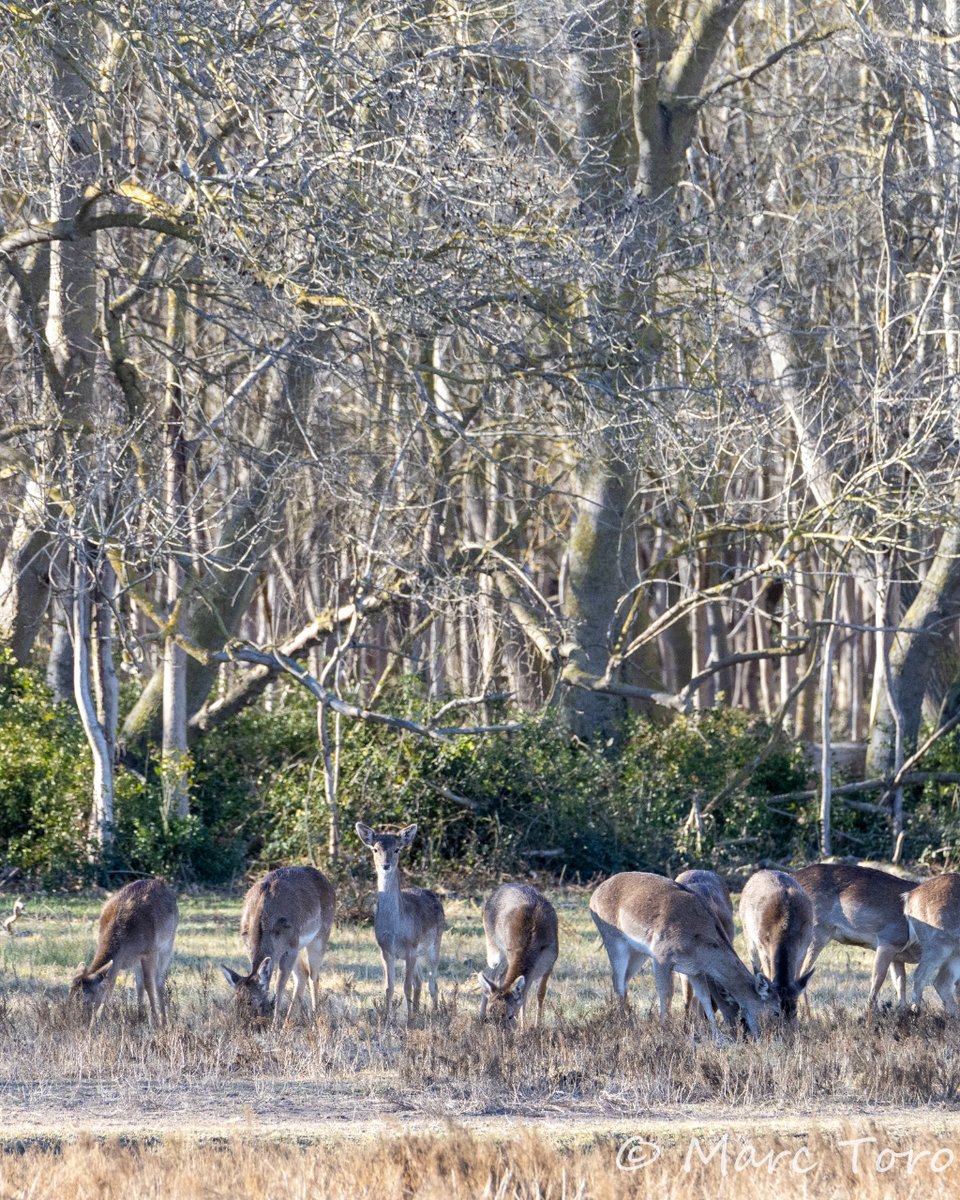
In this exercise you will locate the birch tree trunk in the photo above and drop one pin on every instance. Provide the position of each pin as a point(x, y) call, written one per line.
point(174, 765)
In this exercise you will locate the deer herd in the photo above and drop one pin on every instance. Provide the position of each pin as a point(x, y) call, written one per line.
point(684, 926)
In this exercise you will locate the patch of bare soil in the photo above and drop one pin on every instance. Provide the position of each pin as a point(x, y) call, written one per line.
point(322, 1111)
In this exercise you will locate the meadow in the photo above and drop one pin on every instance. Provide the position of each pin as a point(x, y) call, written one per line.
point(352, 1103)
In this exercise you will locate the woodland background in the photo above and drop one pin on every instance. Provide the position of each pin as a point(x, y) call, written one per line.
point(536, 420)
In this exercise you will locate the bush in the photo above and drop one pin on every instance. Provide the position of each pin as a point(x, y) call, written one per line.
point(533, 798)
point(538, 798)
point(46, 776)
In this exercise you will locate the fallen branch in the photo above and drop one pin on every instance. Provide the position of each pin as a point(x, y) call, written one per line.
point(282, 664)
point(463, 702)
point(253, 684)
point(874, 785)
point(453, 797)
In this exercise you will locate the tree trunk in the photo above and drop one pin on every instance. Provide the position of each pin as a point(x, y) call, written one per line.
point(665, 84)
point(925, 632)
point(174, 767)
point(95, 690)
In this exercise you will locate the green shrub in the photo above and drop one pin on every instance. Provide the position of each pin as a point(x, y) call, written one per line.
point(46, 777)
point(538, 798)
point(532, 798)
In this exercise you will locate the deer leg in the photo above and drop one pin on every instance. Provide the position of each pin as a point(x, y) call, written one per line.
point(314, 955)
point(881, 964)
point(927, 970)
point(162, 969)
point(541, 996)
point(300, 974)
point(434, 963)
point(138, 980)
point(689, 998)
point(284, 969)
point(159, 989)
point(148, 966)
point(417, 985)
point(409, 972)
point(945, 983)
point(619, 955)
point(389, 976)
point(702, 993)
point(663, 978)
point(899, 972)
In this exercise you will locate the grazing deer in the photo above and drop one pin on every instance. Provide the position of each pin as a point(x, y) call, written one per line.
point(520, 925)
point(716, 895)
point(860, 906)
point(137, 928)
point(285, 925)
point(777, 919)
point(409, 922)
point(641, 915)
point(932, 910)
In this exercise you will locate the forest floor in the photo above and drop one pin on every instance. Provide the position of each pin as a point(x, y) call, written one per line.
point(591, 1104)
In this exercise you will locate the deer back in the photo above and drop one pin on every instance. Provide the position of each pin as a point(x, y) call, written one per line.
point(522, 923)
point(859, 905)
point(284, 910)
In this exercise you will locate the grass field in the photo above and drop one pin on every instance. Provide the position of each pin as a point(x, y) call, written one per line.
point(351, 1104)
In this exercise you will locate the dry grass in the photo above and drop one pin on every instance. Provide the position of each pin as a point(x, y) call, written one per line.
point(461, 1166)
point(350, 1070)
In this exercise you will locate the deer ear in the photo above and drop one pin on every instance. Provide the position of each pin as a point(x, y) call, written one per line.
point(485, 983)
point(407, 835)
point(264, 972)
point(99, 974)
point(805, 979)
point(518, 985)
point(230, 976)
point(762, 984)
point(365, 834)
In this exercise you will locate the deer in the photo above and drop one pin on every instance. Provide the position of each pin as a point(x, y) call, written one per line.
point(860, 906)
point(640, 915)
point(137, 927)
point(932, 912)
point(713, 892)
point(777, 919)
point(520, 925)
point(409, 922)
point(716, 895)
point(285, 925)
point(9, 922)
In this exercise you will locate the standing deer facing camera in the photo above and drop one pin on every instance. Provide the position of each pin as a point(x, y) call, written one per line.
point(409, 922)
point(285, 924)
point(520, 925)
point(137, 928)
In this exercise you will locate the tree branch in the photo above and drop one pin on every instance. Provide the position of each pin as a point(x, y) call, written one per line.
point(282, 664)
point(810, 38)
